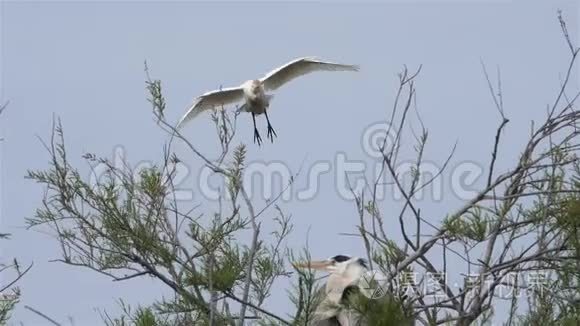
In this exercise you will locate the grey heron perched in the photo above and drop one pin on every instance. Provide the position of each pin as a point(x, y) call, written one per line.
point(345, 274)
point(253, 92)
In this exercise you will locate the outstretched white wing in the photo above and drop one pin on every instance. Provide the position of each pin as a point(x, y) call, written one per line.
point(298, 67)
point(210, 100)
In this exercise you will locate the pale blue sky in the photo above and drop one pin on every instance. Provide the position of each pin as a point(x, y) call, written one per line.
point(83, 61)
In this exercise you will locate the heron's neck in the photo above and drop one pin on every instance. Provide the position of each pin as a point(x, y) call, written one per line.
point(354, 272)
point(350, 276)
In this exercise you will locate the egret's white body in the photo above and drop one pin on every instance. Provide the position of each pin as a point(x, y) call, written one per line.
point(344, 272)
point(256, 99)
point(253, 92)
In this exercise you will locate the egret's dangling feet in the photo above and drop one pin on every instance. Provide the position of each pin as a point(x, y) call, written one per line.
point(271, 131)
point(257, 138)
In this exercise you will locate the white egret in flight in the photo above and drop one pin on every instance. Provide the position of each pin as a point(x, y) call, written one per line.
point(345, 273)
point(253, 92)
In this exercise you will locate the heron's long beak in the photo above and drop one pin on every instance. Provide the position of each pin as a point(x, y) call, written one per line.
point(321, 265)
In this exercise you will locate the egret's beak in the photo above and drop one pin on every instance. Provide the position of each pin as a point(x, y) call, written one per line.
point(321, 265)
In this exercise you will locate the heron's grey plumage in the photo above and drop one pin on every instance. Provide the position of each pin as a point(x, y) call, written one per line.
point(326, 322)
point(344, 274)
point(330, 313)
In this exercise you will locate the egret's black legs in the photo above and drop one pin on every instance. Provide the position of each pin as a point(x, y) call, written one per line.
point(271, 131)
point(257, 137)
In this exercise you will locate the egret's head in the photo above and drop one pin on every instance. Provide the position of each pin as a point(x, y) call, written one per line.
point(252, 88)
point(339, 264)
point(256, 86)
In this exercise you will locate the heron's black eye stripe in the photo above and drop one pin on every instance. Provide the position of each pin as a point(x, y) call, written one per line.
point(363, 262)
point(340, 258)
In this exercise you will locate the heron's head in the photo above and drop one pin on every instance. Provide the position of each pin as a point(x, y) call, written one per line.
point(339, 264)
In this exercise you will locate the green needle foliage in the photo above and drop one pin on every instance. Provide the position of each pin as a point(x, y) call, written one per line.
point(384, 311)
